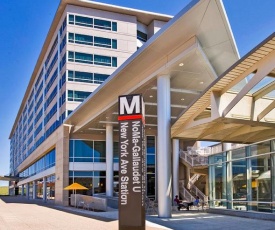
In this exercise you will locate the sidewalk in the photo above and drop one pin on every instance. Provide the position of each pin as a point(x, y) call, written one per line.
point(18, 213)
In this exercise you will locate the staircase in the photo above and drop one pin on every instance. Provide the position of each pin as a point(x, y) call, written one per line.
point(192, 180)
point(192, 190)
point(184, 193)
point(194, 160)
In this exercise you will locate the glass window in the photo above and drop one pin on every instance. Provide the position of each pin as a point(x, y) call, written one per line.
point(99, 151)
point(102, 60)
point(71, 37)
point(100, 173)
point(69, 112)
point(116, 152)
point(80, 95)
point(114, 44)
point(114, 61)
point(71, 56)
point(150, 142)
point(83, 39)
point(220, 183)
point(88, 40)
point(43, 163)
point(102, 24)
point(83, 148)
point(88, 22)
point(102, 42)
point(83, 76)
point(71, 19)
point(239, 177)
point(92, 59)
point(80, 76)
point(151, 164)
point(81, 173)
point(114, 26)
point(141, 36)
point(99, 184)
point(70, 95)
point(83, 58)
point(260, 148)
point(70, 75)
point(83, 21)
point(261, 183)
point(151, 189)
point(150, 160)
point(238, 153)
point(100, 78)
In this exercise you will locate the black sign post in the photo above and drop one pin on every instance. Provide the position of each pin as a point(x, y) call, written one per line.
point(132, 163)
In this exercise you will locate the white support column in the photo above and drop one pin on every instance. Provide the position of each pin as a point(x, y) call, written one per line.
point(229, 184)
point(164, 147)
point(22, 189)
point(109, 160)
point(176, 161)
point(34, 190)
point(44, 189)
point(249, 196)
point(27, 190)
point(212, 184)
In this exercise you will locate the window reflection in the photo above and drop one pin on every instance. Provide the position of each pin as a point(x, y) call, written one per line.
point(87, 151)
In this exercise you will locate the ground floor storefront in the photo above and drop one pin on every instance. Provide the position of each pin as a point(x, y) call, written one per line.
point(243, 179)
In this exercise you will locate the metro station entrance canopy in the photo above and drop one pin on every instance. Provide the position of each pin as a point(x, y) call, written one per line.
point(193, 48)
point(239, 105)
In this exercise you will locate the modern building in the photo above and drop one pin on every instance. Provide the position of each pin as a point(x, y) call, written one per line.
point(85, 44)
point(95, 52)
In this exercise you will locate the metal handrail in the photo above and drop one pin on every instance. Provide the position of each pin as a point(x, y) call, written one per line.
point(185, 193)
point(198, 193)
point(194, 160)
point(194, 178)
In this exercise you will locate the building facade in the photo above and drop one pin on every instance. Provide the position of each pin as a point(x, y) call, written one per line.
point(86, 43)
point(66, 129)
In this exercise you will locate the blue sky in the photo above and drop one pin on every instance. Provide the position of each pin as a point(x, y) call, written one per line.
point(24, 25)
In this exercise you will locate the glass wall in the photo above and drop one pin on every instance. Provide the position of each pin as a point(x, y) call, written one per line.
point(218, 180)
point(87, 151)
point(42, 164)
point(95, 181)
point(39, 189)
point(243, 179)
point(95, 151)
point(50, 187)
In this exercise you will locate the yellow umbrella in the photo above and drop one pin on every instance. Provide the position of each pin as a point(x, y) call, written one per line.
point(75, 186)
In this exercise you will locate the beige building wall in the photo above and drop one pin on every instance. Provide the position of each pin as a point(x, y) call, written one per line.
point(62, 165)
point(154, 27)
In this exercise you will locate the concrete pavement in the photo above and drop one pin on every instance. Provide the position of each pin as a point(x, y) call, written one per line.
point(18, 213)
